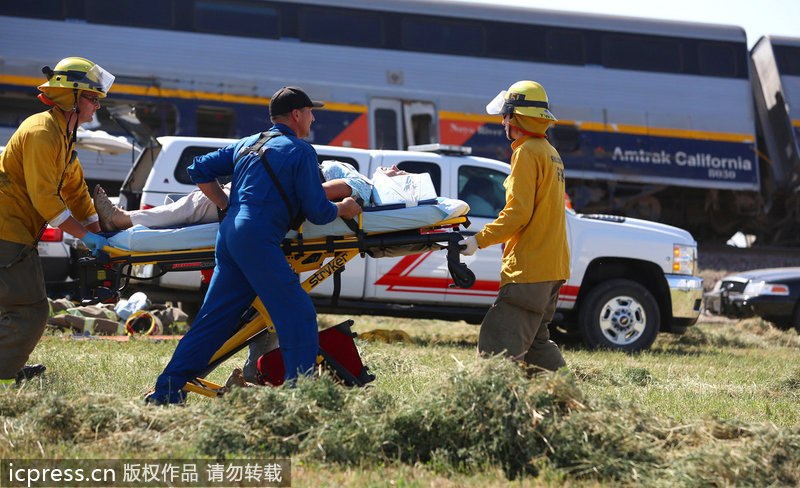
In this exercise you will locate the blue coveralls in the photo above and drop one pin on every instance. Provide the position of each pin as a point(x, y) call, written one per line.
point(249, 258)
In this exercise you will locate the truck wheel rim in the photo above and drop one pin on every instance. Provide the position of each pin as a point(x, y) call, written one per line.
point(622, 320)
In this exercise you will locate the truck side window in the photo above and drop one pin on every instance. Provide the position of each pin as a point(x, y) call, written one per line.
point(482, 189)
point(186, 160)
point(351, 161)
point(432, 169)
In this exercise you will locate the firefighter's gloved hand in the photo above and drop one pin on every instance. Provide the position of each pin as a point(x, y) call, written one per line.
point(468, 246)
point(94, 242)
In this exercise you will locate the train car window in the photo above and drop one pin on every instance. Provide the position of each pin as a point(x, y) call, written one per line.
point(156, 14)
point(443, 36)
point(482, 189)
point(341, 26)
point(565, 46)
point(161, 118)
point(788, 59)
point(237, 19)
point(502, 41)
point(716, 59)
point(215, 121)
point(422, 129)
point(187, 158)
point(565, 138)
point(432, 169)
point(630, 51)
point(17, 107)
point(41, 9)
point(386, 129)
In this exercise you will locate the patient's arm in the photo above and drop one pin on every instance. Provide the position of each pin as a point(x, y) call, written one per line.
point(214, 193)
point(337, 190)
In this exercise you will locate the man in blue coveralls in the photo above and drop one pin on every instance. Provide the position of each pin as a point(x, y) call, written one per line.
point(249, 258)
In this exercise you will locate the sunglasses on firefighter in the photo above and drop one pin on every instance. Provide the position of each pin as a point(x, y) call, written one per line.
point(94, 99)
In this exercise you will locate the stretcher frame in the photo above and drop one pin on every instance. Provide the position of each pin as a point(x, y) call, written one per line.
point(302, 255)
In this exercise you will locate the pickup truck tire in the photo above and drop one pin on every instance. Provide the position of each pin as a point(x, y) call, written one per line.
point(619, 314)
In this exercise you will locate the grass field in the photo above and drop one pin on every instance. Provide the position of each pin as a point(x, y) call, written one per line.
point(719, 406)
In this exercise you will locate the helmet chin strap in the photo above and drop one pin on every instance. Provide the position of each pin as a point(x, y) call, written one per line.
point(73, 137)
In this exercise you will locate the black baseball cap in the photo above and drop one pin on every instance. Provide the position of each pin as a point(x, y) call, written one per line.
point(289, 98)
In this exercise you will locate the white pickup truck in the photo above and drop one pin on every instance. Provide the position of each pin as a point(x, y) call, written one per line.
point(629, 279)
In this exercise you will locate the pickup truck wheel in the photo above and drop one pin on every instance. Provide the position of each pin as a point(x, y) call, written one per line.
point(619, 314)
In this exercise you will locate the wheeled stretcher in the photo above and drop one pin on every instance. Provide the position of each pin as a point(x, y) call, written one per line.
point(310, 250)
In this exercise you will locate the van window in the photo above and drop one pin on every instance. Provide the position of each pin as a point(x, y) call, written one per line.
point(186, 160)
point(432, 169)
point(482, 189)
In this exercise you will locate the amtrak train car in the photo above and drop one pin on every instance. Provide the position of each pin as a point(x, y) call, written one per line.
point(656, 118)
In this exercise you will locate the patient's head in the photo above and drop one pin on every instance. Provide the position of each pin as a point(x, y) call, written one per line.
point(392, 171)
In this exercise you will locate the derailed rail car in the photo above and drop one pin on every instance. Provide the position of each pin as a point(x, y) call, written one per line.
point(656, 118)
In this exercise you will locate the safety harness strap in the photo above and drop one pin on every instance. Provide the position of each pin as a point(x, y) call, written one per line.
point(258, 148)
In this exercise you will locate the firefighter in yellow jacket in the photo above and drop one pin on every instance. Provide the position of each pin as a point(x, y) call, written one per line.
point(533, 227)
point(41, 182)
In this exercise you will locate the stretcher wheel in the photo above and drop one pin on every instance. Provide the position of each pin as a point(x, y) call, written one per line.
point(463, 277)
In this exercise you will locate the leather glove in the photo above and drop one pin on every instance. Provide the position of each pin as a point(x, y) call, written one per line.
point(94, 242)
point(468, 246)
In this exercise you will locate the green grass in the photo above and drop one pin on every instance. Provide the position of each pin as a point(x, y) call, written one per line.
point(719, 406)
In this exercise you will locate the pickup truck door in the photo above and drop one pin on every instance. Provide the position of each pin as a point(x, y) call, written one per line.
point(421, 278)
point(569, 291)
point(482, 188)
point(352, 279)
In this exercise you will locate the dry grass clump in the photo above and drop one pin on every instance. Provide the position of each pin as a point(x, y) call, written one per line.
point(480, 417)
point(747, 456)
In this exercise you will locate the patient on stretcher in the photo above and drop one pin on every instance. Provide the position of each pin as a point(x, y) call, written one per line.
point(341, 180)
point(162, 235)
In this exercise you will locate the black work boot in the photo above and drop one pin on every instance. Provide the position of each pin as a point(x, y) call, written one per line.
point(30, 371)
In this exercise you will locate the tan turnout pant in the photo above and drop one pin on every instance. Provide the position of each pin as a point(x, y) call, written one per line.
point(23, 305)
point(516, 325)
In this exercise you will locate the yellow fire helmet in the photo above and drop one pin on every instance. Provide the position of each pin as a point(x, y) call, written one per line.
point(78, 74)
point(524, 98)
